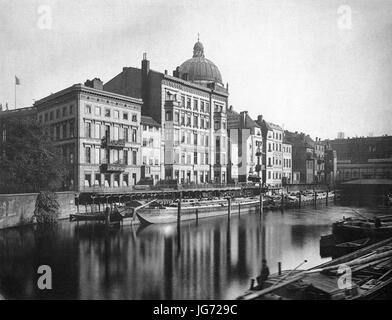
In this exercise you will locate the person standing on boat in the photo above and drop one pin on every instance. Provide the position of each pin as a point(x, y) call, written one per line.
point(263, 275)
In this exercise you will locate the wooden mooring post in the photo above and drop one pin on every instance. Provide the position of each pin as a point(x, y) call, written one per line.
point(299, 200)
point(239, 208)
point(229, 207)
point(282, 200)
point(279, 268)
point(315, 198)
point(77, 204)
point(261, 202)
point(179, 210)
point(326, 199)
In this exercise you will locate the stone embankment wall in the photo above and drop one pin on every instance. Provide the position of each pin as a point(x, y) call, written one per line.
point(18, 209)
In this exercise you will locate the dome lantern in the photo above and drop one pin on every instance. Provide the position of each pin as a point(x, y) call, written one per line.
point(198, 69)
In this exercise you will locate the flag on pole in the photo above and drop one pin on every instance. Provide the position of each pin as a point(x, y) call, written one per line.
point(17, 81)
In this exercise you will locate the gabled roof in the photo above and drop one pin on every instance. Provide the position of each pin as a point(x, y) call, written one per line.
point(234, 121)
point(148, 121)
point(274, 126)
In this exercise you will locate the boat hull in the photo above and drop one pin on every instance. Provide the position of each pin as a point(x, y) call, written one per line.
point(170, 214)
point(349, 232)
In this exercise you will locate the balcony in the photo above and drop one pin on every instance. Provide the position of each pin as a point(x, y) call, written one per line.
point(117, 166)
point(259, 152)
point(106, 142)
point(309, 156)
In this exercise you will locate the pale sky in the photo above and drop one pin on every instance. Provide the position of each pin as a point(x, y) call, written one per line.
point(297, 62)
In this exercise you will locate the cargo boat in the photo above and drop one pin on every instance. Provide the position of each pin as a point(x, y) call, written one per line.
point(195, 209)
point(350, 229)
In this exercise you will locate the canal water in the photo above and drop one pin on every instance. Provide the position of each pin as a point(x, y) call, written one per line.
point(210, 259)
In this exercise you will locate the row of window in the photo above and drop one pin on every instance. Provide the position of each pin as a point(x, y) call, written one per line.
point(274, 147)
point(286, 149)
point(97, 155)
point(114, 132)
point(188, 137)
point(108, 113)
point(287, 163)
point(60, 112)
point(151, 161)
point(275, 161)
point(63, 130)
point(187, 157)
point(186, 176)
point(186, 102)
point(274, 175)
point(109, 179)
point(150, 128)
point(204, 123)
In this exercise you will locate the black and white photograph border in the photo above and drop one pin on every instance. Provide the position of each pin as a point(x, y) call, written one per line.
point(214, 152)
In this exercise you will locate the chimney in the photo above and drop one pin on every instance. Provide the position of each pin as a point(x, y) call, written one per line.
point(243, 117)
point(259, 119)
point(231, 108)
point(145, 65)
point(165, 72)
point(96, 83)
point(145, 71)
point(176, 73)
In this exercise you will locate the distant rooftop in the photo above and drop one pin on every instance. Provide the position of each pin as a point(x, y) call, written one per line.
point(235, 120)
point(149, 121)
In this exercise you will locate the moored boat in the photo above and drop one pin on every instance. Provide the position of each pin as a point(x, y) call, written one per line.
point(356, 228)
point(195, 210)
point(370, 272)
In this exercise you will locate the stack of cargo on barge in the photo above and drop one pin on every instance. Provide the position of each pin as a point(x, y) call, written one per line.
point(371, 277)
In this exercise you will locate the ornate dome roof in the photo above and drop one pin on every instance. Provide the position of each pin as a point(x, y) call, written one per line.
point(200, 69)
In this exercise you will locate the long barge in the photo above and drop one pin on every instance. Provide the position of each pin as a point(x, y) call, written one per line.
point(196, 210)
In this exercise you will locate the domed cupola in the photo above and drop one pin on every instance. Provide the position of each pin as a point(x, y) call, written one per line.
point(199, 69)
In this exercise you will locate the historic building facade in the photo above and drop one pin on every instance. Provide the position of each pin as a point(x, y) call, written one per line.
point(303, 156)
point(363, 158)
point(151, 149)
point(245, 148)
point(98, 133)
point(287, 162)
point(191, 107)
point(319, 153)
point(272, 152)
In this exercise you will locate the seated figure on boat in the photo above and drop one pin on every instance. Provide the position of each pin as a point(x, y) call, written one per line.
point(263, 275)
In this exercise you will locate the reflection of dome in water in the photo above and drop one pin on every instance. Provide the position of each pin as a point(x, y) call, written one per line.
point(200, 69)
